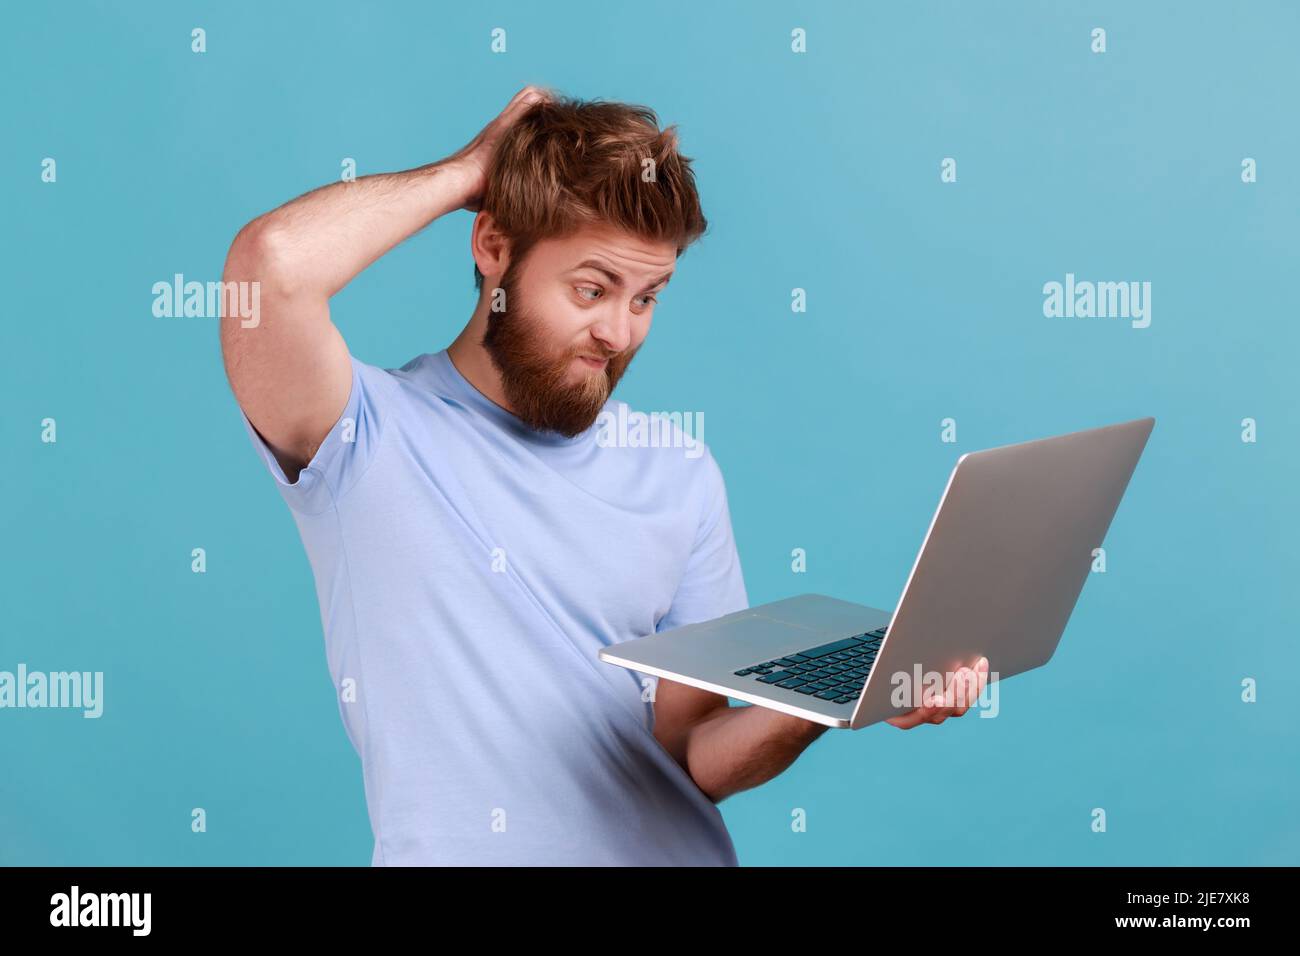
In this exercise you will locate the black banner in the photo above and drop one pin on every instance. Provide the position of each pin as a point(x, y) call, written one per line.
point(964, 905)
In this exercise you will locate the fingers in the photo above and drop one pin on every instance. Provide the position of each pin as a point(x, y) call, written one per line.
point(527, 97)
point(961, 692)
point(519, 104)
point(534, 91)
point(950, 702)
point(941, 703)
point(481, 148)
point(967, 691)
point(927, 713)
point(981, 672)
point(913, 718)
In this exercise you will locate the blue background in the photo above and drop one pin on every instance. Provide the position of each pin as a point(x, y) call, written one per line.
point(818, 171)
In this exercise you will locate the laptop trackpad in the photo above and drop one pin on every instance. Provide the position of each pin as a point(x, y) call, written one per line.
point(755, 639)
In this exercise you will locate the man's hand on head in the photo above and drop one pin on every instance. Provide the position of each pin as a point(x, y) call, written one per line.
point(475, 158)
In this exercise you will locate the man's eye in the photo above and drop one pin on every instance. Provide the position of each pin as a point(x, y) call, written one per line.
point(650, 298)
point(582, 288)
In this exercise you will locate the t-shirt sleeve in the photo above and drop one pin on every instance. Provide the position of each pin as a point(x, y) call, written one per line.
point(713, 584)
point(347, 450)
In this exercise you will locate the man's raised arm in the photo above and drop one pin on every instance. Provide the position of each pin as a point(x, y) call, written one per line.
point(290, 371)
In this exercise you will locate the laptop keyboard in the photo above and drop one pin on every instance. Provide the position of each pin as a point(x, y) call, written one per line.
point(836, 671)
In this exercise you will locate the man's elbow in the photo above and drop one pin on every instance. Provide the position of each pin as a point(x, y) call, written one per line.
point(261, 252)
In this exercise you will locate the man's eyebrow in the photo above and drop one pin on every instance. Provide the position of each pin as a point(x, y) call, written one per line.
point(614, 278)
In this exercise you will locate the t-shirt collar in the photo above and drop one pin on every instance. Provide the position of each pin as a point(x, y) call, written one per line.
point(465, 390)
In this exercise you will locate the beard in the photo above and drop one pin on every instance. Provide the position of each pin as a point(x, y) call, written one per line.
point(536, 379)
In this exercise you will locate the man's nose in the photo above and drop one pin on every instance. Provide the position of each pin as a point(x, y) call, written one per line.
point(614, 331)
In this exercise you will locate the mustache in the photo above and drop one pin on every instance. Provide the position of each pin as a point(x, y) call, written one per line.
point(598, 353)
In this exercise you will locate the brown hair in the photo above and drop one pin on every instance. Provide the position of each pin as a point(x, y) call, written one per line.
point(567, 163)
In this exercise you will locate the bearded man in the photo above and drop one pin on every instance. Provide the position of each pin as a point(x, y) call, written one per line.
point(473, 545)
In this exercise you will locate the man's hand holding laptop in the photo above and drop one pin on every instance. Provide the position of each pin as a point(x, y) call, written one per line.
point(964, 688)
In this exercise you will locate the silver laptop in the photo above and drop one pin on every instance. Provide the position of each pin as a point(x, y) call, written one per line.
point(998, 575)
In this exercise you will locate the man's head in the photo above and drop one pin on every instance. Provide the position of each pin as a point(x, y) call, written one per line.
point(586, 209)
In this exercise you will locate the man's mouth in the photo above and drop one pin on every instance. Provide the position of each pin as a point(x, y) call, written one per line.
point(594, 362)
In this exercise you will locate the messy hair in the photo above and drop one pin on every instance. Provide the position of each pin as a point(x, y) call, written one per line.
point(568, 163)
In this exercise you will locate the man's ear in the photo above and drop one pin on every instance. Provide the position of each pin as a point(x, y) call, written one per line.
point(489, 246)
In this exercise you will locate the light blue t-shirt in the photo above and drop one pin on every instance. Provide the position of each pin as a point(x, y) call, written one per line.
point(469, 569)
